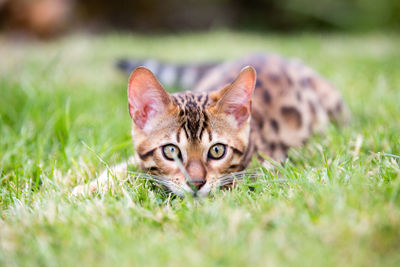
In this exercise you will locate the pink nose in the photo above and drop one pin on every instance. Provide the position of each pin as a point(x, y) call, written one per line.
point(197, 183)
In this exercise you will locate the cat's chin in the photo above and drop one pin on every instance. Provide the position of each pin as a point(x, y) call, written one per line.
point(204, 191)
point(185, 190)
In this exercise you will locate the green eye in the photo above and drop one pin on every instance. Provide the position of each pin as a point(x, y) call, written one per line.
point(216, 151)
point(171, 151)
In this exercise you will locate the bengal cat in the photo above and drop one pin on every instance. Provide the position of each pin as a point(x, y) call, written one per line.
point(195, 141)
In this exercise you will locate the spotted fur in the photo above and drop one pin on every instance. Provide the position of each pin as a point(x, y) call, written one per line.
point(263, 116)
point(291, 101)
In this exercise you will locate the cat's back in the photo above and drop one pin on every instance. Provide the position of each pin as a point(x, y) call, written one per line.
point(291, 100)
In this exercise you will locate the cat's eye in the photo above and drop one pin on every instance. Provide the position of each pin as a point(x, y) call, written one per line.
point(217, 151)
point(171, 152)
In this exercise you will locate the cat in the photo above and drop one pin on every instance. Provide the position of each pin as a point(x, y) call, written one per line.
point(195, 141)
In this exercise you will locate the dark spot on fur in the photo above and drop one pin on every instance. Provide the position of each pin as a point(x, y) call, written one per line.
point(312, 108)
point(201, 132)
point(205, 116)
point(145, 155)
point(233, 167)
point(263, 140)
point(305, 82)
point(205, 102)
point(284, 146)
point(274, 125)
point(267, 96)
point(292, 116)
point(275, 78)
point(153, 169)
point(257, 118)
point(272, 146)
point(260, 124)
point(308, 83)
point(298, 96)
point(237, 151)
point(290, 81)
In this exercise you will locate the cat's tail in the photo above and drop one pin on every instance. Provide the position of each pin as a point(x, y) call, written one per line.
point(185, 76)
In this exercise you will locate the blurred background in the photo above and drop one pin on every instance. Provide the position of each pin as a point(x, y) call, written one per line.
point(51, 18)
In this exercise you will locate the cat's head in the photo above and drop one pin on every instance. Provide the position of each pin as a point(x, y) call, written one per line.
point(190, 142)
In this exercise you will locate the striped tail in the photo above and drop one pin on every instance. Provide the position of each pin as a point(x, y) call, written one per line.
point(169, 74)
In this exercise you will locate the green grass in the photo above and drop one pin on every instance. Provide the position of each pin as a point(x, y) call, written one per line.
point(63, 105)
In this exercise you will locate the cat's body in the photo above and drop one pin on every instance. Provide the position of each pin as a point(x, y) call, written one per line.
point(287, 102)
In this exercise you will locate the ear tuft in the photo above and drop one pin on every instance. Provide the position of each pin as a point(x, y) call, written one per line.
point(147, 98)
point(236, 98)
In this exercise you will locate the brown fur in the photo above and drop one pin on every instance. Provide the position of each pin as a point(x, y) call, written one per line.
point(288, 104)
point(194, 123)
point(291, 101)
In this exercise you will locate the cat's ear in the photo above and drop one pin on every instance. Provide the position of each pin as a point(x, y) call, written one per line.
point(235, 99)
point(147, 98)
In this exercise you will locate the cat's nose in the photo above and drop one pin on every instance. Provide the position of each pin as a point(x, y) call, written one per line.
point(197, 183)
point(195, 168)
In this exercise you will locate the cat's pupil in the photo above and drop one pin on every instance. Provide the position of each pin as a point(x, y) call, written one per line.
point(216, 151)
point(172, 151)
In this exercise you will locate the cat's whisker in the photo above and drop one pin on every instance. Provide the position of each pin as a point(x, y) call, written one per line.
point(170, 186)
point(227, 181)
point(266, 181)
point(248, 172)
point(233, 176)
point(237, 176)
point(158, 179)
point(230, 178)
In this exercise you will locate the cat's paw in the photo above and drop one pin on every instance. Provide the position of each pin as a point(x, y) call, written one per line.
point(101, 185)
point(84, 190)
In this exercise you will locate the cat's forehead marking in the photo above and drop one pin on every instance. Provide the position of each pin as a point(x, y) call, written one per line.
point(192, 113)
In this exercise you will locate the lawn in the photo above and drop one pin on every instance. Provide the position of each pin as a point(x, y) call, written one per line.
point(64, 117)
